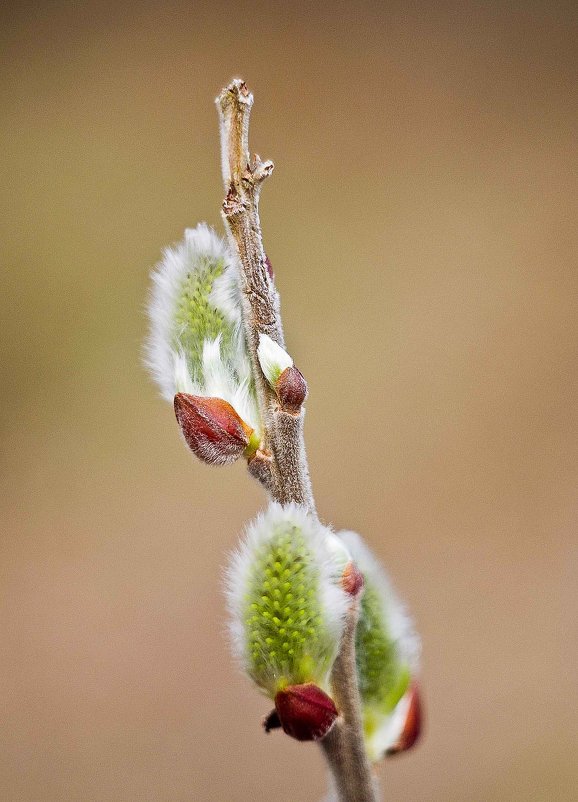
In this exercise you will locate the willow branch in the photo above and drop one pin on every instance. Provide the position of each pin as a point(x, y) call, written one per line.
point(281, 463)
point(287, 476)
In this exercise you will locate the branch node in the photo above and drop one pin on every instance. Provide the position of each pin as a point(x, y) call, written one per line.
point(261, 468)
point(261, 169)
point(236, 91)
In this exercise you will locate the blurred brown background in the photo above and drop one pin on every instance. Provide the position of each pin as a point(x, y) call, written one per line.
point(421, 221)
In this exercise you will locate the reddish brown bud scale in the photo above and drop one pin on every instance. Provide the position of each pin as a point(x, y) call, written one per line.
point(212, 429)
point(291, 389)
point(412, 726)
point(269, 267)
point(271, 722)
point(352, 579)
point(260, 466)
point(306, 713)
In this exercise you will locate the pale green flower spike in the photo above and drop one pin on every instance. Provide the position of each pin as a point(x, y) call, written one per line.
point(286, 601)
point(197, 343)
point(387, 652)
point(196, 318)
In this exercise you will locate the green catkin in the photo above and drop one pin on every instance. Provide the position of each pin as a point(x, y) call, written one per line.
point(387, 651)
point(287, 640)
point(383, 678)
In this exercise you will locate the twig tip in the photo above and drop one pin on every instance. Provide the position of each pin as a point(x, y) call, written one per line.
point(237, 91)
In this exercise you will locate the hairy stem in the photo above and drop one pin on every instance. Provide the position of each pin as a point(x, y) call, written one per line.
point(281, 463)
point(343, 746)
point(243, 176)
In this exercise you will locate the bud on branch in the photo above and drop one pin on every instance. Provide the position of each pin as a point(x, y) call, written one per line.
point(213, 430)
point(284, 378)
point(306, 713)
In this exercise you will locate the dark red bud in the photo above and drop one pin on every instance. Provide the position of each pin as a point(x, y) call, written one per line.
point(211, 428)
point(412, 726)
point(269, 267)
point(291, 389)
point(306, 713)
point(352, 579)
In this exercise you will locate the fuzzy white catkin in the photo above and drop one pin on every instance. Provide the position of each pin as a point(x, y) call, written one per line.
point(302, 538)
point(400, 631)
point(223, 369)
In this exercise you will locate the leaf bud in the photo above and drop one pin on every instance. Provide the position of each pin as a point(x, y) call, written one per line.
point(352, 580)
point(291, 389)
